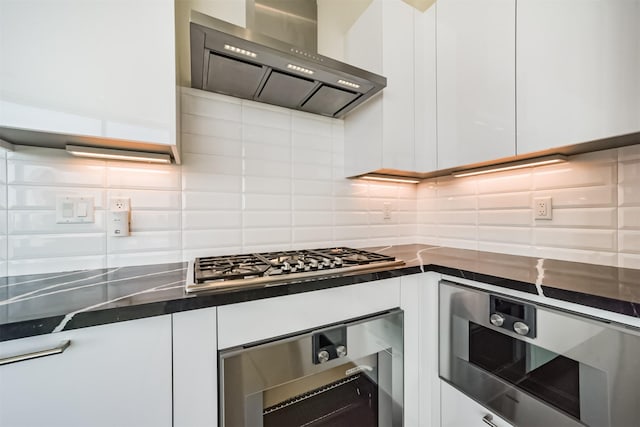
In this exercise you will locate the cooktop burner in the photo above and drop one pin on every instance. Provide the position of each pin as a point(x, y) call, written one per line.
point(220, 272)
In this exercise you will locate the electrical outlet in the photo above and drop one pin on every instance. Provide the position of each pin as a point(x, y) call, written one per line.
point(119, 204)
point(542, 208)
point(386, 211)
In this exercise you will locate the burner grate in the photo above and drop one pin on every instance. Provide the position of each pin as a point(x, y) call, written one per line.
point(228, 268)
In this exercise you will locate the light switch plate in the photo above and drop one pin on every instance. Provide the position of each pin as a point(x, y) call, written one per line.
point(74, 210)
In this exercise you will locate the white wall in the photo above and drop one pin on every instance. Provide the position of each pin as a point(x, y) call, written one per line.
point(254, 177)
point(596, 215)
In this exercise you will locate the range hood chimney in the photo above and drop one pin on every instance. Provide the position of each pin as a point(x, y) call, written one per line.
point(275, 60)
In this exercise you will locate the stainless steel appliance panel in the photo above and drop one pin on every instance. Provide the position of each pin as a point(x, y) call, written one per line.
point(328, 101)
point(602, 357)
point(257, 380)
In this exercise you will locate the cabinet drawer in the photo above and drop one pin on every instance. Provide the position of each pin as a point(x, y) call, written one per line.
point(458, 410)
point(262, 319)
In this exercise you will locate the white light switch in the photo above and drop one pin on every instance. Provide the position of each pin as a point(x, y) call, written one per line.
point(81, 209)
point(74, 210)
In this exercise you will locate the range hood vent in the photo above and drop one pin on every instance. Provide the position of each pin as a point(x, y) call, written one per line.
point(236, 61)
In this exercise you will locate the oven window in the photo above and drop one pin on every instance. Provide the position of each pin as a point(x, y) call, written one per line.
point(349, 402)
point(546, 375)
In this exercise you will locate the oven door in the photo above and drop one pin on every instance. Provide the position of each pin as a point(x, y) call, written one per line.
point(342, 375)
point(572, 371)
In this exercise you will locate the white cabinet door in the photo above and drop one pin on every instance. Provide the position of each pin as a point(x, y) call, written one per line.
point(96, 68)
point(419, 300)
point(578, 74)
point(111, 375)
point(195, 368)
point(396, 129)
point(458, 410)
point(476, 81)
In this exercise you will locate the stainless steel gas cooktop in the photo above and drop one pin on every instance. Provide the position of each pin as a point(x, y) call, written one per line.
point(271, 268)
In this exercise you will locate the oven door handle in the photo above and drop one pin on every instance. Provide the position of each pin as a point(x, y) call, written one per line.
point(488, 420)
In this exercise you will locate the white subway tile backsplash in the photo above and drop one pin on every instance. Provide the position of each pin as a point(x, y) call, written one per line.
point(263, 115)
point(61, 245)
point(155, 221)
point(260, 151)
point(312, 203)
point(267, 168)
point(198, 125)
point(216, 183)
point(151, 177)
point(629, 241)
point(44, 222)
point(34, 197)
point(578, 238)
point(587, 218)
point(266, 219)
point(145, 241)
point(219, 107)
point(581, 197)
point(204, 163)
point(311, 124)
point(629, 218)
point(256, 177)
point(202, 144)
point(211, 238)
point(261, 184)
point(266, 236)
point(514, 217)
point(310, 218)
point(505, 201)
point(148, 199)
point(311, 171)
point(266, 136)
point(52, 174)
point(203, 220)
point(198, 200)
point(512, 235)
point(575, 173)
point(267, 202)
point(312, 187)
point(504, 182)
point(313, 236)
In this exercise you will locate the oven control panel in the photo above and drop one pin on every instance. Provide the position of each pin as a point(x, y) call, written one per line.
point(515, 316)
point(328, 345)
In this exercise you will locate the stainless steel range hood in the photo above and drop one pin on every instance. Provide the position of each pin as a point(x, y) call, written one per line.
point(248, 64)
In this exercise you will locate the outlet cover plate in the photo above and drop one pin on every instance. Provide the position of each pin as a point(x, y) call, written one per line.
point(542, 208)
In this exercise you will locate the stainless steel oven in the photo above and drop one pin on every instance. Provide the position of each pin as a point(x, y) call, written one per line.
point(348, 374)
point(538, 366)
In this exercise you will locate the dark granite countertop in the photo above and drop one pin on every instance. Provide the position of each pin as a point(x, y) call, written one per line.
point(39, 304)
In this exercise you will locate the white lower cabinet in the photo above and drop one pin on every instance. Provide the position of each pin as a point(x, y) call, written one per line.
point(458, 410)
point(111, 375)
point(419, 300)
point(195, 368)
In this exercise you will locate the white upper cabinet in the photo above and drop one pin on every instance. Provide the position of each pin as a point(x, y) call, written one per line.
point(578, 74)
point(476, 81)
point(95, 68)
point(392, 130)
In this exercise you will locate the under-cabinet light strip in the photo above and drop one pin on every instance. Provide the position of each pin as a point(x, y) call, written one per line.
point(113, 154)
point(557, 158)
point(390, 179)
